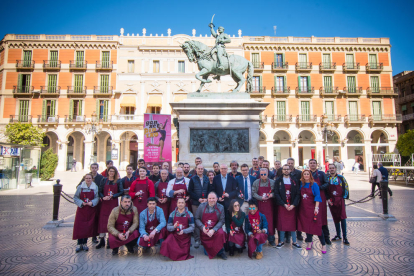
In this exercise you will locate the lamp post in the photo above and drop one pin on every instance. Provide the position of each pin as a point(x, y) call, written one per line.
point(327, 131)
point(93, 127)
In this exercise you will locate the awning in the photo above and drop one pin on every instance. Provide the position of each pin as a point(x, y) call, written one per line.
point(155, 101)
point(179, 98)
point(404, 107)
point(128, 101)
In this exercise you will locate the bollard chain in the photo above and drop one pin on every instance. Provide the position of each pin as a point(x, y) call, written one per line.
point(365, 199)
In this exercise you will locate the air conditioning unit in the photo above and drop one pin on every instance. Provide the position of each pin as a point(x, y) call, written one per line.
point(51, 119)
point(79, 118)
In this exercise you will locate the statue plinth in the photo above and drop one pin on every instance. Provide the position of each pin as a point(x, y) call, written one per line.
point(218, 127)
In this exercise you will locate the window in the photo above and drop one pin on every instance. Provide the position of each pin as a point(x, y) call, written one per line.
point(104, 87)
point(327, 84)
point(23, 84)
point(181, 66)
point(351, 84)
point(406, 128)
point(53, 59)
point(80, 57)
point(129, 110)
point(52, 84)
point(376, 110)
point(329, 110)
point(280, 60)
point(102, 110)
point(280, 84)
point(304, 84)
point(105, 59)
point(404, 109)
point(78, 87)
point(257, 83)
point(48, 110)
point(75, 110)
point(373, 61)
point(303, 61)
point(24, 111)
point(353, 111)
point(155, 109)
point(326, 61)
point(256, 60)
point(156, 66)
point(305, 110)
point(281, 111)
point(27, 58)
point(131, 66)
point(349, 61)
point(375, 84)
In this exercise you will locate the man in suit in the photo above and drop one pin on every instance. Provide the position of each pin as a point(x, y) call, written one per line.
point(244, 185)
point(225, 187)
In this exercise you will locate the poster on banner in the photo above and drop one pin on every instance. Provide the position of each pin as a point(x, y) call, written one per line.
point(157, 138)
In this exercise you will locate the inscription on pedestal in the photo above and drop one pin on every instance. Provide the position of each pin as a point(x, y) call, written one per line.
point(219, 140)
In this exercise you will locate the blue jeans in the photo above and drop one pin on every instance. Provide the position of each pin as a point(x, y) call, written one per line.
point(218, 254)
point(282, 236)
point(259, 247)
point(338, 228)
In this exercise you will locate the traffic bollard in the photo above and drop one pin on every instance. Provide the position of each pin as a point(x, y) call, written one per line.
point(384, 195)
point(57, 190)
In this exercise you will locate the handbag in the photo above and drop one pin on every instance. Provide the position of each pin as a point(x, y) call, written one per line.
point(373, 179)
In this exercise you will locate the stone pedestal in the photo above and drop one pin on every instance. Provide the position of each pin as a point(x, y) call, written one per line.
point(236, 113)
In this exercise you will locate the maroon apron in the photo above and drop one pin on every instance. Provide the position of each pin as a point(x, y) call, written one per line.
point(266, 207)
point(286, 219)
point(338, 207)
point(122, 224)
point(141, 203)
point(323, 210)
point(257, 238)
point(127, 184)
point(213, 244)
point(238, 237)
point(162, 193)
point(173, 201)
point(151, 225)
point(107, 206)
point(177, 247)
point(85, 219)
point(306, 222)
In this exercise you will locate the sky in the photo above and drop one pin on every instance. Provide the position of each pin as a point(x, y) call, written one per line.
point(363, 18)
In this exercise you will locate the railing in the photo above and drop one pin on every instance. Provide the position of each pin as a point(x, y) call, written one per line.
point(258, 89)
point(22, 89)
point(104, 65)
point(334, 90)
point(304, 66)
point(51, 64)
point(332, 118)
point(75, 118)
point(103, 90)
point(406, 98)
point(103, 118)
point(354, 118)
point(50, 89)
point(258, 65)
point(47, 119)
point(306, 118)
point(386, 117)
point(304, 90)
point(351, 66)
point(77, 89)
point(323, 66)
point(127, 118)
point(280, 66)
point(20, 118)
point(408, 117)
point(353, 90)
point(280, 90)
point(25, 64)
point(78, 64)
point(282, 118)
point(374, 66)
point(381, 91)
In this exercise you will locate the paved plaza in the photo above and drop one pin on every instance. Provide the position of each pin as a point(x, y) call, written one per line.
point(378, 247)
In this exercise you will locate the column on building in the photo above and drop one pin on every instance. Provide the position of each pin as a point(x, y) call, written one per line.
point(62, 153)
point(88, 153)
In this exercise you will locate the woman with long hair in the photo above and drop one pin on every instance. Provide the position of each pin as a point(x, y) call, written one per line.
point(161, 130)
point(234, 227)
point(309, 218)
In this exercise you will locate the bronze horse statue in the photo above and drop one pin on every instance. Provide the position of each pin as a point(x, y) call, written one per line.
point(235, 66)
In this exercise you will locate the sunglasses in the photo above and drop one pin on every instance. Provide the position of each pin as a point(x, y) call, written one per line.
point(263, 174)
point(252, 208)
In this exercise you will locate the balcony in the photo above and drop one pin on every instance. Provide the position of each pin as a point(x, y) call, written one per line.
point(385, 118)
point(25, 64)
point(374, 67)
point(303, 66)
point(406, 98)
point(348, 119)
point(78, 65)
point(102, 91)
point(280, 91)
point(332, 118)
point(304, 92)
point(76, 91)
point(127, 119)
point(258, 66)
point(47, 120)
point(282, 118)
point(104, 65)
point(280, 66)
point(52, 65)
point(22, 90)
point(79, 119)
point(102, 118)
point(381, 91)
point(349, 67)
point(49, 91)
point(20, 119)
point(352, 91)
point(327, 67)
point(408, 117)
point(329, 91)
point(306, 118)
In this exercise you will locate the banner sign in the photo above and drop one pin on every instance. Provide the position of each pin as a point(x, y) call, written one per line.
point(157, 138)
point(8, 151)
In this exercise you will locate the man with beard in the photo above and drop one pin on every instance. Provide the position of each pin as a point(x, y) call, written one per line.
point(197, 161)
point(155, 176)
point(166, 166)
point(186, 170)
point(254, 170)
point(266, 165)
point(234, 166)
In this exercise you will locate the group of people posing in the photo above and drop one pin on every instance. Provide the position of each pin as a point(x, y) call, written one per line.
point(224, 211)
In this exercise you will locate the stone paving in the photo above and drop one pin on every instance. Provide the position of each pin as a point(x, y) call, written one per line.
point(378, 247)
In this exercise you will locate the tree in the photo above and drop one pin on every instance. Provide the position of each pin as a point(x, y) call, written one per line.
point(48, 164)
point(405, 143)
point(24, 134)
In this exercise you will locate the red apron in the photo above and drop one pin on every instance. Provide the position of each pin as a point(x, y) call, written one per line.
point(306, 223)
point(257, 238)
point(177, 247)
point(173, 201)
point(85, 219)
point(338, 209)
point(141, 203)
point(122, 224)
point(107, 206)
point(151, 225)
point(215, 243)
point(162, 193)
point(266, 207)
point(238, 237)
point(323, 210)
point(127, 184)
point(287, 219)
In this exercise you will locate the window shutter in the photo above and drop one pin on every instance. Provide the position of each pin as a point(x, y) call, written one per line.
point(44, 108)
point(52, 108)
point(261, 84)
point(299, 83)
point(275, 59)
point(19, 82)
point(71, 109)
point(284, 82)
point(276, 84)
point(283, 59)
point(97, 108)
point(80, 106)
point(309, 84)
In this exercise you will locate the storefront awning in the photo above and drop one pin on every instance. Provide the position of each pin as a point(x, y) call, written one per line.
point(155, 101)
point(128, 101)
point(404, 107)
point(179, 98)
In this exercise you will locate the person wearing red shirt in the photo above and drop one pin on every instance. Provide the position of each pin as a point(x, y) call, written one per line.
point(141, 189)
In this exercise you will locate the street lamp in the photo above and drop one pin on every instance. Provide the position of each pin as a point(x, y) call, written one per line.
point(327, 131)
point(93, 128)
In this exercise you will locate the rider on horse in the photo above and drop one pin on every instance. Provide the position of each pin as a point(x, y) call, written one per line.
point(220, 48)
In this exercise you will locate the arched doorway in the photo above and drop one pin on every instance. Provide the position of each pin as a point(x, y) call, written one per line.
point(50, 141)
point(128, 149)
point(355, 148)
point(334, 145)
point(306, 147)
point(379, 142)
point(76, 149)
point(282, 147)
point(102, 148)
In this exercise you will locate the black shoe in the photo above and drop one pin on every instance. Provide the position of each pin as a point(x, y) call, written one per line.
point(107, 244)
point(272, 243)
point(280, 245)
point(296, 245)
point(115, 251)
point(79, 248)
point(346, 242)
point(336, 238)
point(231, 249)
point(300, 238)
point(223, 256)
point(130, 249)
point(328, 242)
point(390, 192)
point(94, 240)
point(240, 250)
point(101, 243)
point(226, 247)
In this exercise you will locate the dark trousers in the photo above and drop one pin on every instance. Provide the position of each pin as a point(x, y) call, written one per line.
point(373, 186)
point(338, 228)
point(321, 238)
point(130, 245)
point(325, 231)
point(83, 241)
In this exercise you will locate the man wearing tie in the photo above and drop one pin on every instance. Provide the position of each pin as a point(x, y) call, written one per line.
point(244, 183)
point(225, 187)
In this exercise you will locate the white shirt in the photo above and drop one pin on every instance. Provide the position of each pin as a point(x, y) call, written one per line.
point(286, 180)
point(172, 181)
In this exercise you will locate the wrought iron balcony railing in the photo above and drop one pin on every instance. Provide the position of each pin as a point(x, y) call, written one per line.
point(278, 90)
point(25, 64)
point(49, 89)
point(51, 65)
point(327, 66)
point(104, 65)
point(351, 66)
point(257, 65)
point(374, 67)
point(45, 119)
point(78, 64)
point(280, 66)
point(20, 118)
point(304, 66)
point(22, 89)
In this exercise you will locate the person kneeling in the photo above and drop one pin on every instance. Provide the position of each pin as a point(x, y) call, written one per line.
point(122, 225)
point(151, 226)
point(180, 225)
point(256, 229)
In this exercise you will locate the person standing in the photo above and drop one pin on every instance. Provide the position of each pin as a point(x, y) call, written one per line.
point(161, 193)
point(155, 176)
point(166, 166)
point(234, 166)
point(260, 161)
point(309, 218)
point(122, 226)
point(109, 163)
point(266, 165)
point(128, 179)
point(356, 167)
point(384, 173)
point(294, 173)
point(338, 191)
point(234, 227)
point(186, 171)
point(141, 189)
point(197, 162)
point(263, 191)
point(287, 195)
point(256, 228)
point(254, 170)
point(110, 189)
point(225, 187)
point(277, 170)
point(216, 168)
point(245, 183)
point(178, 188)
point(86, 198)
point(180, 226)
point(378, 177)
point(338, 165)
point(141, 164)
point(73, 169)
